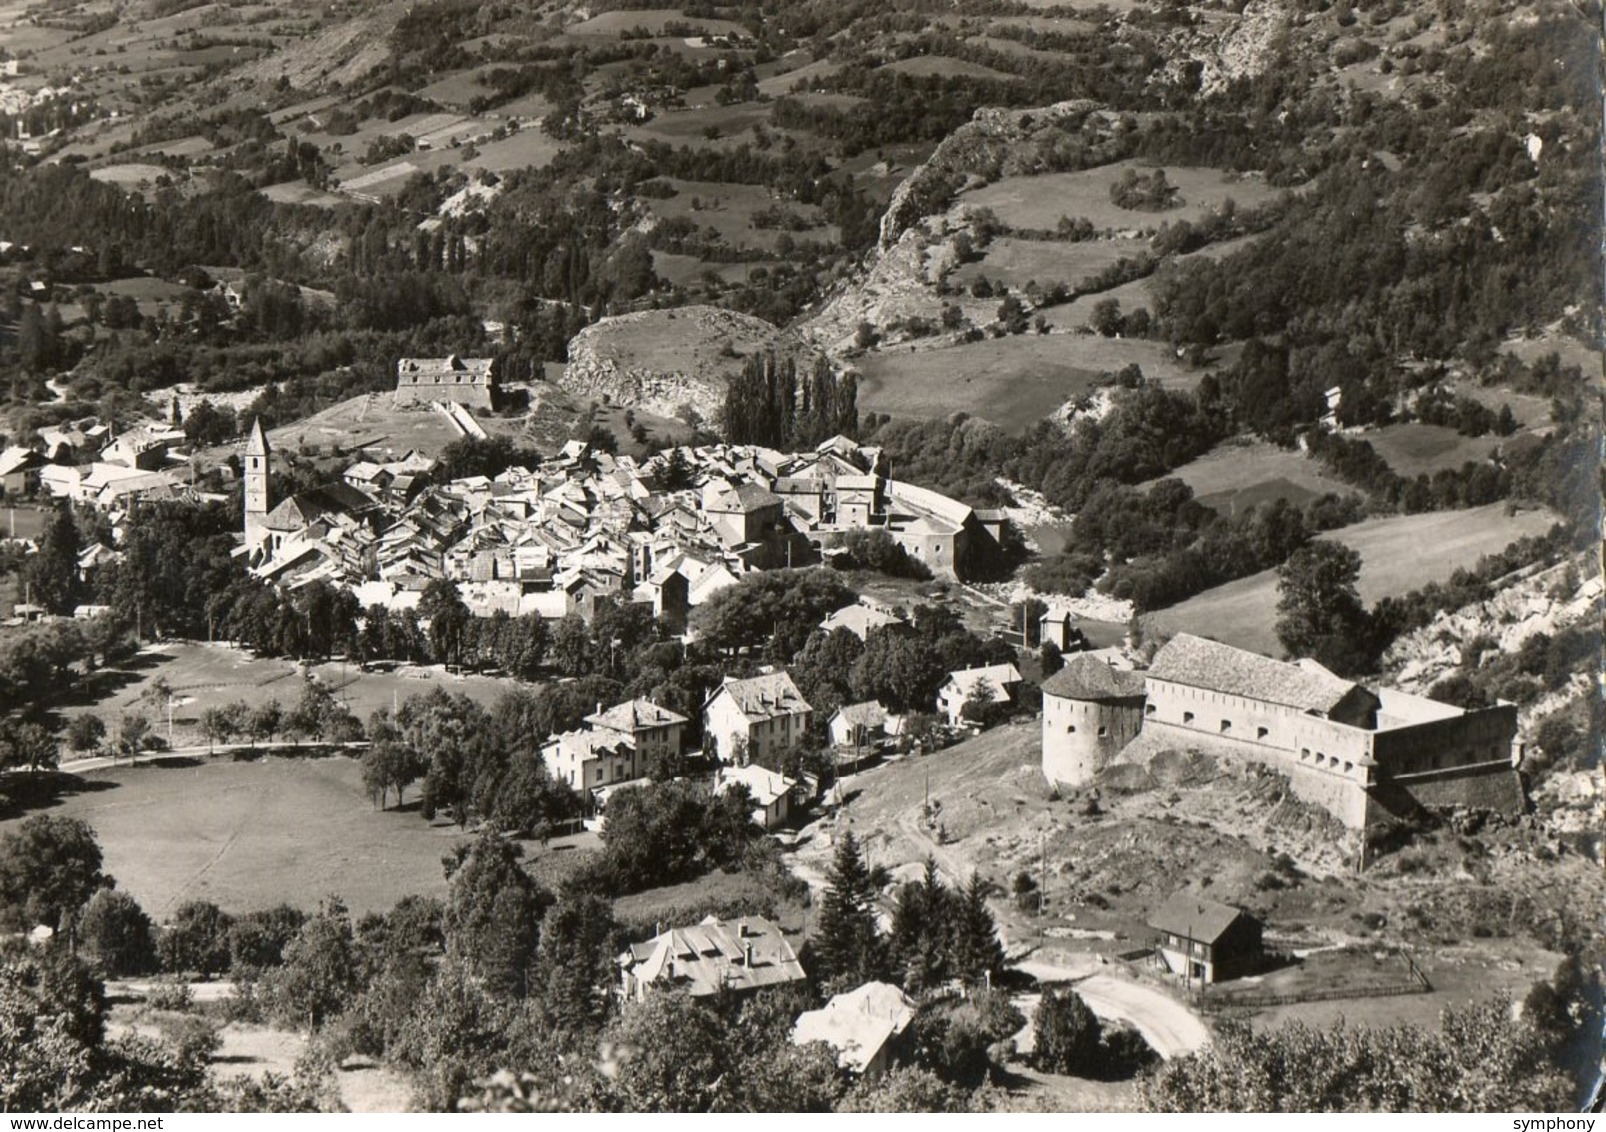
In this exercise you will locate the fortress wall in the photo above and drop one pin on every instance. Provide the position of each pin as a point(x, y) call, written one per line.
point(1341, 794)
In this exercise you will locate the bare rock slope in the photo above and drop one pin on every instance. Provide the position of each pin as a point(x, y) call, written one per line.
point(665, 361)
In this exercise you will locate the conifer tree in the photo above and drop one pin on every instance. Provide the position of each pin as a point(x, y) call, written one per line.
point(850, 948)
point(975, 952)
point(922, 930)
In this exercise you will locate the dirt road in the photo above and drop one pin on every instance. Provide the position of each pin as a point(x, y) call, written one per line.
point(1171, 1028)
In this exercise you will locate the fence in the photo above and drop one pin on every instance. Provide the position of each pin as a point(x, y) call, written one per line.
point(1416, 982)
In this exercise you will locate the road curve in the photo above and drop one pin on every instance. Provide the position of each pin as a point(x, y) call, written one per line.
point(1167, 1025)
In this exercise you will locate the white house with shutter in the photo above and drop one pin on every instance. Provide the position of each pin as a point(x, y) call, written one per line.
point(756, 716)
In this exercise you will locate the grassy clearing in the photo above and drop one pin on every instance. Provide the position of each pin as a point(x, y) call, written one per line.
point(1416, 449)
point(1013, 382)
point(1459, 974)
point(299, 192)
point(373, 420)
point(729, 210)
point(1571, 351)
point(1237, 476)
point(1039, 202)
point(248, 835)
point(786, 81)
point(688, 270)
point(1398, 554)
point(203, 676)
point(926, 65)
point(653, 19)
point(130, 174)
point(1018, 262)
point(704, 125)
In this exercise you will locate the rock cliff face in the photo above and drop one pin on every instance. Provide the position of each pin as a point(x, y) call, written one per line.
point(665, 361)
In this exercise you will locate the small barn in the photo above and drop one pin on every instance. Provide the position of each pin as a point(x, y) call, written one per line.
point(1206, 941)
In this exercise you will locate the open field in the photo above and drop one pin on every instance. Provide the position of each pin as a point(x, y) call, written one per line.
point(1398, 554)
point(22, 522)
point(784, 82)
point(688, 270)
point(654, 20)
point(1235, 476)
point(202, 676)
point(248, 835)
point(945, 66)
point(131, 175)
point(704, 125)
point(1457, 973)
point(1013, 382)
point(1415, 449)
point(1039, 202)
point(1571, 351)
point(729, 209)
point(299, 192)
point(373, 420)
point(1017, 262)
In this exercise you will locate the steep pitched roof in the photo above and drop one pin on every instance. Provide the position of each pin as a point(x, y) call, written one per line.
point(256, 443)
point(857, 1024)
point(306, 507)
point(997, 676)
point(1216, 667)
point(868, 714)
point(763, 784)
point(704, 957)
point(633, 716)
point(764, 697)
point(1194, 917)
point(858, 619)
point(1089, 678)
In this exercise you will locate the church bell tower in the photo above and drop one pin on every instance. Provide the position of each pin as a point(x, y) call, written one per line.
point(258, 463)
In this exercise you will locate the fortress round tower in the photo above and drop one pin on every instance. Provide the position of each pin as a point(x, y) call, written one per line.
point(1091, 710)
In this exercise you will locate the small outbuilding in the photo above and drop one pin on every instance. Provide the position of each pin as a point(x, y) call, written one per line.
point(1206, 941)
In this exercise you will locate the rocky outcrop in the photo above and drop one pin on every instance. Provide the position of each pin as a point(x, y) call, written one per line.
point(1543, 602)
point(665, 362)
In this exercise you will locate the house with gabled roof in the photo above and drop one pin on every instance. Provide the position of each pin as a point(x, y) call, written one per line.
point(865, 1027)
point(712, 957)
point(1001, 681)
point(756, 717)
point(858, 619)
point(654, 730)
point(771, 791)
point(858, 725)
point(1205, 941)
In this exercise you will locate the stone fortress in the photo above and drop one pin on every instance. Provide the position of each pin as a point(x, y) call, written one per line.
point(1362, 754)
point(462, 381)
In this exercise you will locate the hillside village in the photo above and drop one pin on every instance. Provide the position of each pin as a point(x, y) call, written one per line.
point(961, 556)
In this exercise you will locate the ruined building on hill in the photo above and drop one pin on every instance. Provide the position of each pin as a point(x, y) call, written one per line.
point(465, 381)
point(1362, 754)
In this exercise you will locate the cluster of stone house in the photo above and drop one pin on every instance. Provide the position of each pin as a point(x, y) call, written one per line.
point(1363, 754)
point(92, 464)
point(587, 526)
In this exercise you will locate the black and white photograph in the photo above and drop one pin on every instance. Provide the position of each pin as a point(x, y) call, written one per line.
point(801, 556)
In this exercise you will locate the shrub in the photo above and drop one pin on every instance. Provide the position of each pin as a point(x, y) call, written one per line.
point(169, 994)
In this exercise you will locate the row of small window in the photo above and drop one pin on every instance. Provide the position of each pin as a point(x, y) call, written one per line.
point(1323, 760)
point(1225, 727)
